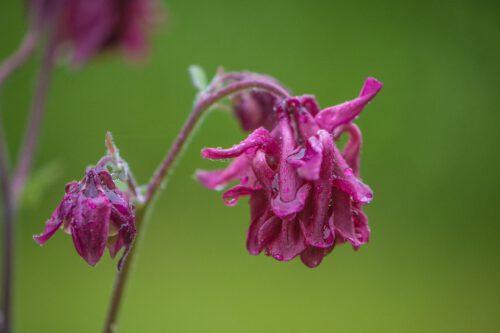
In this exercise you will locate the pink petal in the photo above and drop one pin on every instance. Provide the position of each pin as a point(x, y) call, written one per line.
point(359, 191)
point(259, 213)
point(126, 233)
point(115, 244)
point(288, 183)
point(263, 172)
point(260, 138)
point(348, 182)
point(232, 195)
point(51, 226)
point(314, 222)
point(128, 237)
point(312, 256)
point(310, 103)
point(307, 161)
point(89, 227)
point(306, 122)
point(218, 179)
point(254, 109)
point(342, 218)
point(57, 219)
point(360, 226)
point(268, 231)
point(284, 208)
point(352, 148)
point(289, 243)
point(344, 113)
point(303, 109)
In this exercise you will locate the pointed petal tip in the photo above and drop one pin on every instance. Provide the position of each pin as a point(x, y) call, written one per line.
point(372, 85)
point(231, 196)
point(312, 256)
point(39, 239)
point(206, 152)
point(92, 261)
point(210, 179)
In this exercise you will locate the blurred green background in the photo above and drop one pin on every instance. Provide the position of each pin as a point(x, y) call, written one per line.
point(430, 154)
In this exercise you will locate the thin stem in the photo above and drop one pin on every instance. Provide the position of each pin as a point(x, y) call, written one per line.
point(205, 102)
point(34, 123)
point(8, 252)
point(19, 57)
point(202, 104)
point(110, 325)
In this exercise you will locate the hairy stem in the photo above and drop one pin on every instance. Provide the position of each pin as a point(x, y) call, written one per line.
point(34, 124)
point(204, 102)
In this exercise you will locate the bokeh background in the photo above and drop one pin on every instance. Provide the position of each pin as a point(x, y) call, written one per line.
point(430, 154)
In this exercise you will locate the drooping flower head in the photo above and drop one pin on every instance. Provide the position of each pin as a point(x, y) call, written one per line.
point(90, 27)
point(96, 214)
point(306, 195)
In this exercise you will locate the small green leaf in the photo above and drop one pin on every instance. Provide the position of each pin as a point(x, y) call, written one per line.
point(198, 77)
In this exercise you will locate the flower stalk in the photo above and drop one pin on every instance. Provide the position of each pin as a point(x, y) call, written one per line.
point(213, 94)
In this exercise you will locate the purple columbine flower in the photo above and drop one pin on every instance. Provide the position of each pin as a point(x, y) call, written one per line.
point(93, 26)
point(96, 214)
point(306, 195)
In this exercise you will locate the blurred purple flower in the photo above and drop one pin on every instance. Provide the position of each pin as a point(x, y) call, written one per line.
point(96, 214)
point(93, 26)
point(305, 195)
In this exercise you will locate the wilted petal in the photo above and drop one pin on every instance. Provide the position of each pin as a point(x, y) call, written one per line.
point(260, 138)
point(218, 179)
point(289, 243)
point(352, 148)
point(115, 244)
point(284, 208)
point(342, 218)
point(263, 172)
point(359, 191)
point(268, 231)
point(314, 221)
point(232, 195)
point(310, 103)
point(303, 109)
point(259, 213)
point(360, 226)
point(312, 256)
point(254, 109)
point(128, 237)
point(288, 180)
point(344, 113)
point(348, 182)
point(307, 160)
point(57, 219)
point(89, 227)
point(51, 226)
